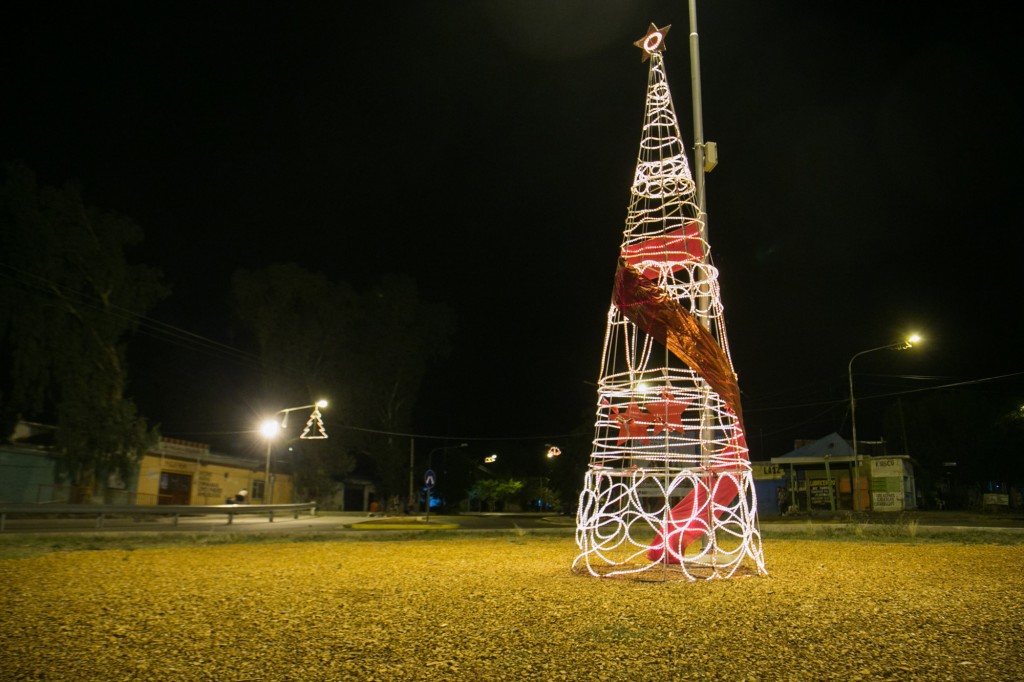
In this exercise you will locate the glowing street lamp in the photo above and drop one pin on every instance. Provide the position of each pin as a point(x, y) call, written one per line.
point(270, 428)
point(899, 345)
point(489, 459)
point(316, 406)
point(553, 451)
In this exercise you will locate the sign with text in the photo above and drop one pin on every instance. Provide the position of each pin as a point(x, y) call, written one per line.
point(887, 501)
point(886, 466)
point(821, 492)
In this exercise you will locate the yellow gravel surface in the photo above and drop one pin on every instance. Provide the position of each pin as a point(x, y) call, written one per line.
point(508, 609)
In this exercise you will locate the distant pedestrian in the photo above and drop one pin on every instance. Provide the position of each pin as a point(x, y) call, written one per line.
point(782, 499)
point(240, 496)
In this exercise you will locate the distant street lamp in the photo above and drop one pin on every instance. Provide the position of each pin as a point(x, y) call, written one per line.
point(489, 459)
point(899, 345)
point(270, 429)
point(552, 452)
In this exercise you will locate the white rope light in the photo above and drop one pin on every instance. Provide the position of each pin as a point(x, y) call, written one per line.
point(317, 419)
point(669, 491)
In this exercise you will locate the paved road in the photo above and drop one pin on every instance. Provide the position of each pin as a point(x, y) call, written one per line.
point(323, 522)
point(342, 523)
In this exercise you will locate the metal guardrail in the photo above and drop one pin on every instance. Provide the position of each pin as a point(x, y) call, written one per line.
point(101, 511)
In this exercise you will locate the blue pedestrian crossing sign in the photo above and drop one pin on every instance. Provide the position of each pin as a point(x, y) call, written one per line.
point(429, 479)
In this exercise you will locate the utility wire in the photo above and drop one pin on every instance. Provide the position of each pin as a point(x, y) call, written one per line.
point(839, 401)
point(145, 325)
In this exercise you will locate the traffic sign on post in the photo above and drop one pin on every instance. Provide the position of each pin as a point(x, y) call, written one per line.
point(429, 479)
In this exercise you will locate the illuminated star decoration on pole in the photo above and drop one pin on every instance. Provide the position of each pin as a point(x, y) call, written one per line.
point(669, 457)
point(653, 42)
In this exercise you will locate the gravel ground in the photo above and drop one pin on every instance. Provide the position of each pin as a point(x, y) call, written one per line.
point(508, 608)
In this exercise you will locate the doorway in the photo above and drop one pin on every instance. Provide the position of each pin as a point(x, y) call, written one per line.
point(175, 488)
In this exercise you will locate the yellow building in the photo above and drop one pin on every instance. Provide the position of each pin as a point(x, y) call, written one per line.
point(182, 472)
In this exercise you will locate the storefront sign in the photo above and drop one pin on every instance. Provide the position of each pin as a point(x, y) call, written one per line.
point(886, 501)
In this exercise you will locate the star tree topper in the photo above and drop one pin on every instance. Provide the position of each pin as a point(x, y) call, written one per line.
point(653, 42)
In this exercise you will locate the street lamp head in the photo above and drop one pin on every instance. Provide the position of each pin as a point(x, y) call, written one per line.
point(270, 428)
point(321, 403)
point(907, 342)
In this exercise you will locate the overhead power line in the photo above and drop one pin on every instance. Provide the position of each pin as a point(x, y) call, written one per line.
point(144, 324)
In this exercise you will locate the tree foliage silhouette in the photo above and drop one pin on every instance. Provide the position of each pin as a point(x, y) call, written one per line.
point(70, 302)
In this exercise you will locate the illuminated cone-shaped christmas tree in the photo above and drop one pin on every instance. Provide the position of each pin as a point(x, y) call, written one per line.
point(669, 491)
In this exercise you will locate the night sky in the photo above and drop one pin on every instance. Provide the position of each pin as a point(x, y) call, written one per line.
point(869, 184)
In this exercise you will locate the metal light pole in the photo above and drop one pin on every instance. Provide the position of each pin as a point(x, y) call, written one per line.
point(412, 468)
point(552, 452)
point(899, 345)
point(699, 148)
point(489, 459)
point(270, 428)
point(705, 154)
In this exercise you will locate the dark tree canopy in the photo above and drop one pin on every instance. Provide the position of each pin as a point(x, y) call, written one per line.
point(400, 336)
point(366, 352)
point(298, 321)
point(70, 300)
point(972, 435)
